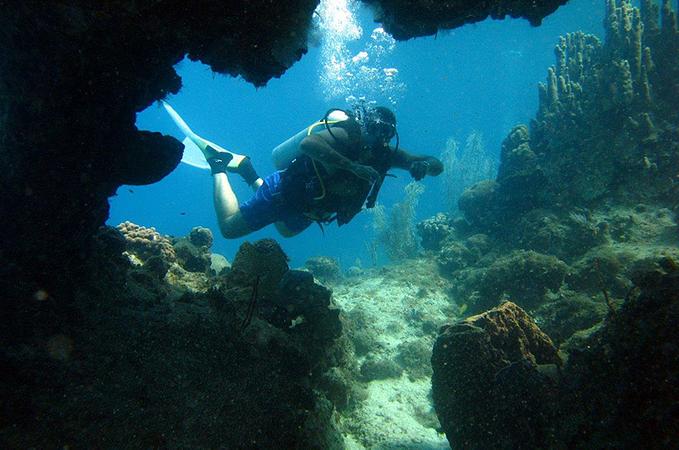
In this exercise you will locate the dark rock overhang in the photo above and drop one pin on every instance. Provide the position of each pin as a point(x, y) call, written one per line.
point(73, 74)
point(405, 19)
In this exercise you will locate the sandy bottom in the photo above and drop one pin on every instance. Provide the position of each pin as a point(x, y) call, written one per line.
point(400, 303)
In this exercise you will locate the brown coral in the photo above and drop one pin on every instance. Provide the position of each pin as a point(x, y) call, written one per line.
point(145, 243)
point(516, 334)
point(487, 389)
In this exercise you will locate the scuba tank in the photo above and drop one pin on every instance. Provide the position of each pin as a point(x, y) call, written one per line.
point(284, 153)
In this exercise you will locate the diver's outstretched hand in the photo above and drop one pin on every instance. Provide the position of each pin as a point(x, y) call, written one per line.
point(418, 169)
point(365, 172)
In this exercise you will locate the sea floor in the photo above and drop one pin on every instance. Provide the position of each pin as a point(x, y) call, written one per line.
point(397, 310)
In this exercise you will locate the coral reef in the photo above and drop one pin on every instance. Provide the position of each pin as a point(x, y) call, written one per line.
point(185, 262)
point(76, 70)
point(132, 362)
point(606, 125)
point(590, 186)
point(170, 363)
point(580, 229)
point(617, 389)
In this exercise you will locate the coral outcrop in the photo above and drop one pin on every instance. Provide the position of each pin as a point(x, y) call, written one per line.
point(131, 361)
point(606, 125)
point(324, 268)
point(488, 391)
point(143, 243)
point(591, 183)
point(618, 388)
point(582, 231)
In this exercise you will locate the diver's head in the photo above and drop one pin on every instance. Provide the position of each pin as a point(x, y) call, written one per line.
point(380, 124)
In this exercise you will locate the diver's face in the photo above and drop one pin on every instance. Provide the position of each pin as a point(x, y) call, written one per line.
point(380, 132)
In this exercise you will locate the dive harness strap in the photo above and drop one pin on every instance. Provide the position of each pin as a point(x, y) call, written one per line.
point(218, 163)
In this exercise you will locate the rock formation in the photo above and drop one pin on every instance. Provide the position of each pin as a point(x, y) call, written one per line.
point(618, 388)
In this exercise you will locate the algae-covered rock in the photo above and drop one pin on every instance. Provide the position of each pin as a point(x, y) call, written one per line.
point(306, 308)
point(478, 203)
point(622, 379)
point(487, 389)
point(453, 256)
point(192, 257)
point(263, 263)
point(564, 236)
point(434, 230)
point(337, 387)
point(124, 343)
point(324, 268)
point(522, 276)
point(603, 268)
point(560, 318)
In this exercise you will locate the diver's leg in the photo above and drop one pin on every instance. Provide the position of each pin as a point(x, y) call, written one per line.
point(231, 221)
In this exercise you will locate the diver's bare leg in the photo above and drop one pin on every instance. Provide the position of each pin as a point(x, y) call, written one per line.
point(231, 222)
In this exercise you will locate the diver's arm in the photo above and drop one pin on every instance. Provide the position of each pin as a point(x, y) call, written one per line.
point(417, 165)
point(318, 148)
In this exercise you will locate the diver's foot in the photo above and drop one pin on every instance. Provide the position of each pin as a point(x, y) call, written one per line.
point(219, 163)
point(245, 169)
point(211, 152)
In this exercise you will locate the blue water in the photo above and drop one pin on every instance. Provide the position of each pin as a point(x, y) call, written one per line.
point(479, 77)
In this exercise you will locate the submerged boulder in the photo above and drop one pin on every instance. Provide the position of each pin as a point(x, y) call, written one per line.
point(495, 383)
point(487, 389)
point(523, 276)
point(324, 268)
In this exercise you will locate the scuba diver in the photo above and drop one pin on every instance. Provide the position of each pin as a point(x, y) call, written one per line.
point(327, 172)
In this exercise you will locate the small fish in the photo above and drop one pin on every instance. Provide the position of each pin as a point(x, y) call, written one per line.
point(182, 213)
point(130, 191)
